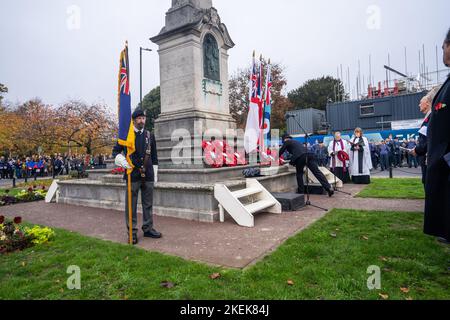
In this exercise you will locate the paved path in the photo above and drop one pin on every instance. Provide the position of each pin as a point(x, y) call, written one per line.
point(218, 244)
point(398, 173)
point(344, 201)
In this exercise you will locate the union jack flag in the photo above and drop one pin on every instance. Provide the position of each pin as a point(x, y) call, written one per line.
point(124, 83)
point(254, 119)
point(126, 129)
point(256, 79)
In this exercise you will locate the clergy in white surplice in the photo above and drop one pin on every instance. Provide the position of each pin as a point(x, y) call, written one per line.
point(338, 149)
point(360, 158)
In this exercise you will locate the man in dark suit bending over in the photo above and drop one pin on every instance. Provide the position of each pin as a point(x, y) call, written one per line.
point(299, 155)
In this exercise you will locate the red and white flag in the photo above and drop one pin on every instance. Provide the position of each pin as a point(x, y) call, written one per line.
point(254, 119)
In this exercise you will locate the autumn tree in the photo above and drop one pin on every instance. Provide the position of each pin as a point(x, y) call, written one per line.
point(317, 93)
point(10, 123)
point(239, 96)
point(91, 127)
point(36, 127)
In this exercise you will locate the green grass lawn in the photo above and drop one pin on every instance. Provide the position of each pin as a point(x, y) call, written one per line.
point(394, 189)
point(327, 261)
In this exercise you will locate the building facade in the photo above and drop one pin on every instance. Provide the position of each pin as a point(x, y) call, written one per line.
point(312, 120)
point(376, 114)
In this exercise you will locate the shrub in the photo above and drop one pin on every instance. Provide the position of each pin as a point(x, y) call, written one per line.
point(40, 235)
point(30, 195)
point(7, 200)
point(13, 237)
point(79, 175)
point(47, 183)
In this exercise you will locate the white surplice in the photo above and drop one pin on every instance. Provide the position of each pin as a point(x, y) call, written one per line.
point(367, 159)
point(335, 150)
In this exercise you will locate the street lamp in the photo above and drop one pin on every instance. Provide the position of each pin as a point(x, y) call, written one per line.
point(140, 53)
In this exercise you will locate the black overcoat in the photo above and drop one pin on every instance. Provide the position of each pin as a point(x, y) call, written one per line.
point(437, 204)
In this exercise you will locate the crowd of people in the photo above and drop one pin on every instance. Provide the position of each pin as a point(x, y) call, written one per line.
point(391, 152)
point(48, 166)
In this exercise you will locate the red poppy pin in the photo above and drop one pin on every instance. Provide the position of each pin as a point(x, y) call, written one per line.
point(440, 106)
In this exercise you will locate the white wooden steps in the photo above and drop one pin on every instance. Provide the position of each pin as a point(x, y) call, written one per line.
point(241, 205)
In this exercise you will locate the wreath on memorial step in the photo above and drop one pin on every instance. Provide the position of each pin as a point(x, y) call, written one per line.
point(213, 152)
point(220, 154)
point(269, 157)
point(118, 171)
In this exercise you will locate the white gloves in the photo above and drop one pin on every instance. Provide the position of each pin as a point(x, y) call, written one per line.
point(122, 162)
point(155, 169)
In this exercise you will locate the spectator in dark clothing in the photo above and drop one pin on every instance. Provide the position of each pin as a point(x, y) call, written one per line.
point(397, 153)
point(422, 145)
point(374, 154)
point(384, 156)
point(321, 154)
point(412, 159)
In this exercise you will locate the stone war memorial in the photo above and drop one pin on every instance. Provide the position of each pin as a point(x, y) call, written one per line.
point(193, 51)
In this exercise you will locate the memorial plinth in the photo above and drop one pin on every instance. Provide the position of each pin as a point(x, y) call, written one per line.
point(193, 51)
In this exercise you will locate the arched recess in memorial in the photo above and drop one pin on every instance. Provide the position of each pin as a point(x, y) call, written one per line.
point(211, 58)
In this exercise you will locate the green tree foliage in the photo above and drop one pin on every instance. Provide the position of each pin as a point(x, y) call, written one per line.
point(152, 103)
point(317, 93)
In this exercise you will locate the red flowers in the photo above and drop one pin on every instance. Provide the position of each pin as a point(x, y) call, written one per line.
point(30, 189)
point(18, 220)
point(2, 219)
point(118, 171)
point(440, 106)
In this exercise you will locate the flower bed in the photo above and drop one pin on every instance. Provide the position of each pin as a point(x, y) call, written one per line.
point(15, 237)
point(26, 195)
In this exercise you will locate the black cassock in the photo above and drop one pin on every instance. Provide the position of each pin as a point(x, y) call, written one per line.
point(437, 204)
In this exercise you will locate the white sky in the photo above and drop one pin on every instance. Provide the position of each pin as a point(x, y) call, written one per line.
point(41, 56)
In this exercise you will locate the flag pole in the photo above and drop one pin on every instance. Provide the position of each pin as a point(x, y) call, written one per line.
point(261, 123)
point(130, 207)
point(130, 219)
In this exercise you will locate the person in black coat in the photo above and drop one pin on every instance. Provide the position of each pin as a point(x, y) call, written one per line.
point(143, 177)
point(437, 189)
point(299, 156)
point(422, 146)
